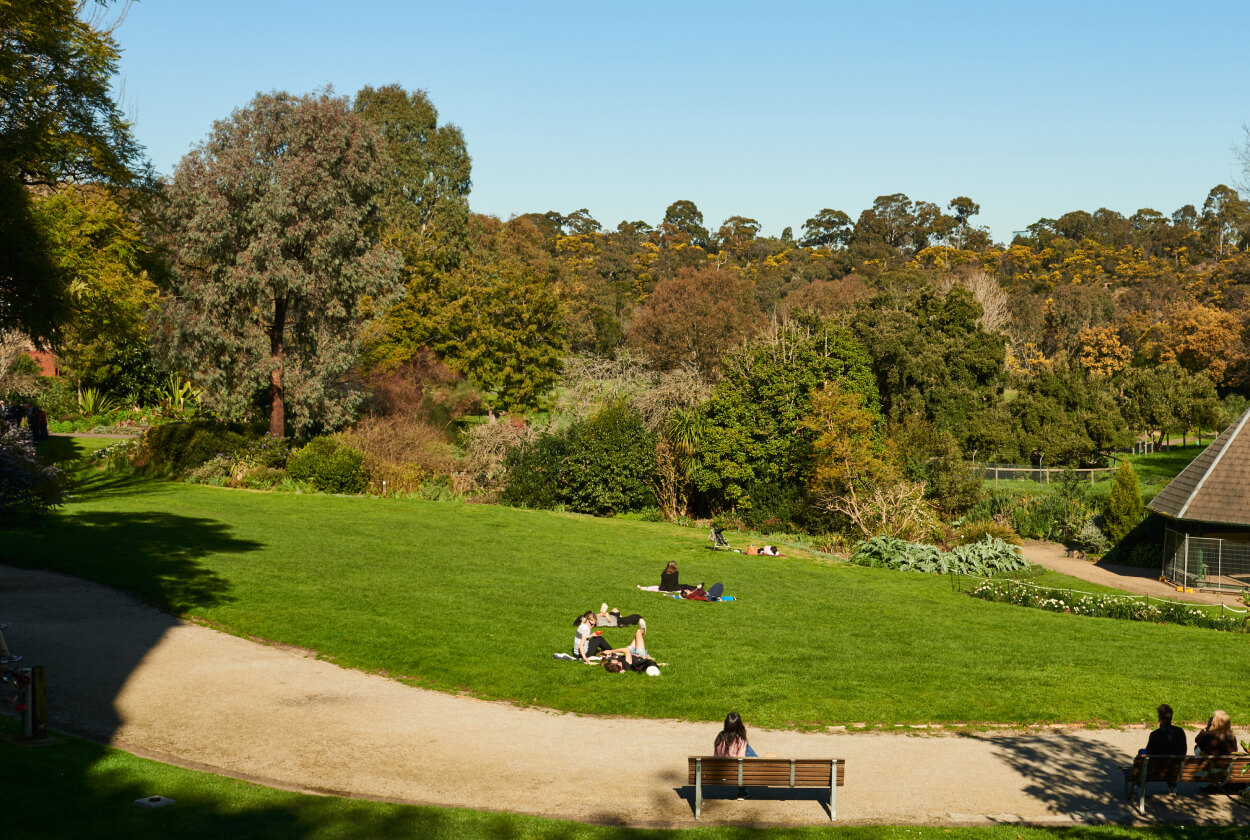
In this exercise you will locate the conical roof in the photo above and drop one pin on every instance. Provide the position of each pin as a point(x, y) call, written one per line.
point(1215, 487)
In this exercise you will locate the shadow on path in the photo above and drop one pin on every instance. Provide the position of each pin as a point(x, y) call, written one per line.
point(90, 645)
point(1072, 774)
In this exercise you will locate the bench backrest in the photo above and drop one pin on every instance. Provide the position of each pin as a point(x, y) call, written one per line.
point(766, 772)
point(1207, 768)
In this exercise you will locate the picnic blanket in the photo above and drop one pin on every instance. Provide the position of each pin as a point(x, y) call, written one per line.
point(713, 593)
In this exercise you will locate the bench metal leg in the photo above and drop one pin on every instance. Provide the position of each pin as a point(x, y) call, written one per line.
point(833, 792)
point(698, 789)
point(1141, 787)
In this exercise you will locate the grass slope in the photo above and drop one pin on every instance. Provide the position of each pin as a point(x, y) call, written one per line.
point(476, 598)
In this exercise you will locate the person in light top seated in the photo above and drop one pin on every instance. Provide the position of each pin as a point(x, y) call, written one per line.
point(586, 641)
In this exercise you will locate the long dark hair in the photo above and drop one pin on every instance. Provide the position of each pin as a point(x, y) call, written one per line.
point(671, 568)
point(734, 732)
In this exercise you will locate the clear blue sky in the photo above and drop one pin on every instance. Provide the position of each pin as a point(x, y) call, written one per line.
point(768, 110)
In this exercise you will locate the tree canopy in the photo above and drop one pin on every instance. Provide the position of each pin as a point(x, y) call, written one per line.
point(273, 225)
point(59, 123)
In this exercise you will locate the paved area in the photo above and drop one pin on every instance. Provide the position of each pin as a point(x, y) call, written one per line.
point(128, 675)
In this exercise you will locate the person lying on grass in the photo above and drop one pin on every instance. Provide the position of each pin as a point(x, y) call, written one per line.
point(768, 550)
point(619, 665)
point(639, 647)
point(613, 617)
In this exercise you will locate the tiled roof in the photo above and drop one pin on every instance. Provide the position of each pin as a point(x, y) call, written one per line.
point(1215, 487)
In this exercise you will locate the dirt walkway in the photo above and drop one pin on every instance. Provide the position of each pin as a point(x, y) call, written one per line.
point(126, 674)
point(1129, 578)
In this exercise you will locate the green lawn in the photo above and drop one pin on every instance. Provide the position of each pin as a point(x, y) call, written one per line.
point(476, 598)
point(77, 789)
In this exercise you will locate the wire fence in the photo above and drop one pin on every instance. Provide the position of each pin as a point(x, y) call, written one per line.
point(1205, 562)
point(1042, 475)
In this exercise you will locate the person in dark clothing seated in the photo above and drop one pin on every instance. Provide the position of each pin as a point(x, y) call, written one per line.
point(668, 579)
point(1167, 739)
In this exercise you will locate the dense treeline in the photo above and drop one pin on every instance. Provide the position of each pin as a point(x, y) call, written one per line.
point(315, 261)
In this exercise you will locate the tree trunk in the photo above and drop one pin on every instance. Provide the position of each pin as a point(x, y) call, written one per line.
point(277, 406)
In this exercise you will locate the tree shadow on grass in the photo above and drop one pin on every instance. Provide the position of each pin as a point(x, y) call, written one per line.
point(152, 554)
point(1074, 775)
point(77, 789)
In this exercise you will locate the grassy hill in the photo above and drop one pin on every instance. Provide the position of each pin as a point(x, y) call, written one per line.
point(476, 598)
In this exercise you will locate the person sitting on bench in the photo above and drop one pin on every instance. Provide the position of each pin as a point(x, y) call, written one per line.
point(1167, 739)
point(1217, 738)
point(732, 740)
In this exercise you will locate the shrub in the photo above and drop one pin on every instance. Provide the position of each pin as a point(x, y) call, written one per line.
point(93, 402)
point(28, 489)
point(487, 446)
point(116, 456)
point(1124, 505)
point(438, 489)
point(534, 472)
point(1092, 538)
point(1040, 516)
point(774, 506)
point(599, 465)
point(971, 532)
point(217, 470)
point(611, 455)
point(401, 452)
point(329, 466)
point(260, 478)
point(988, 557)
point(270, 451)
point(59, 398)
point(178, 448)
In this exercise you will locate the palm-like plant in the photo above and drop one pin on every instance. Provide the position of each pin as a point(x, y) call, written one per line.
point(92, 401)
point(179, 398)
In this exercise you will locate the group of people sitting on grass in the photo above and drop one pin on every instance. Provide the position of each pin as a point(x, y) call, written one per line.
point(590, 647)
point(670, 582)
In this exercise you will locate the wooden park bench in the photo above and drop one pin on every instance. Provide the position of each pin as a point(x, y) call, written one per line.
point(1174, 769)
point(767, 772)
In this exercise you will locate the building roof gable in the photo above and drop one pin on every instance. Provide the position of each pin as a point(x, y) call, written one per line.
point(1215, 487)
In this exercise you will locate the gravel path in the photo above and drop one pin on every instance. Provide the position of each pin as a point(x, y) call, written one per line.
point(1129, 578)
point(128, 675)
